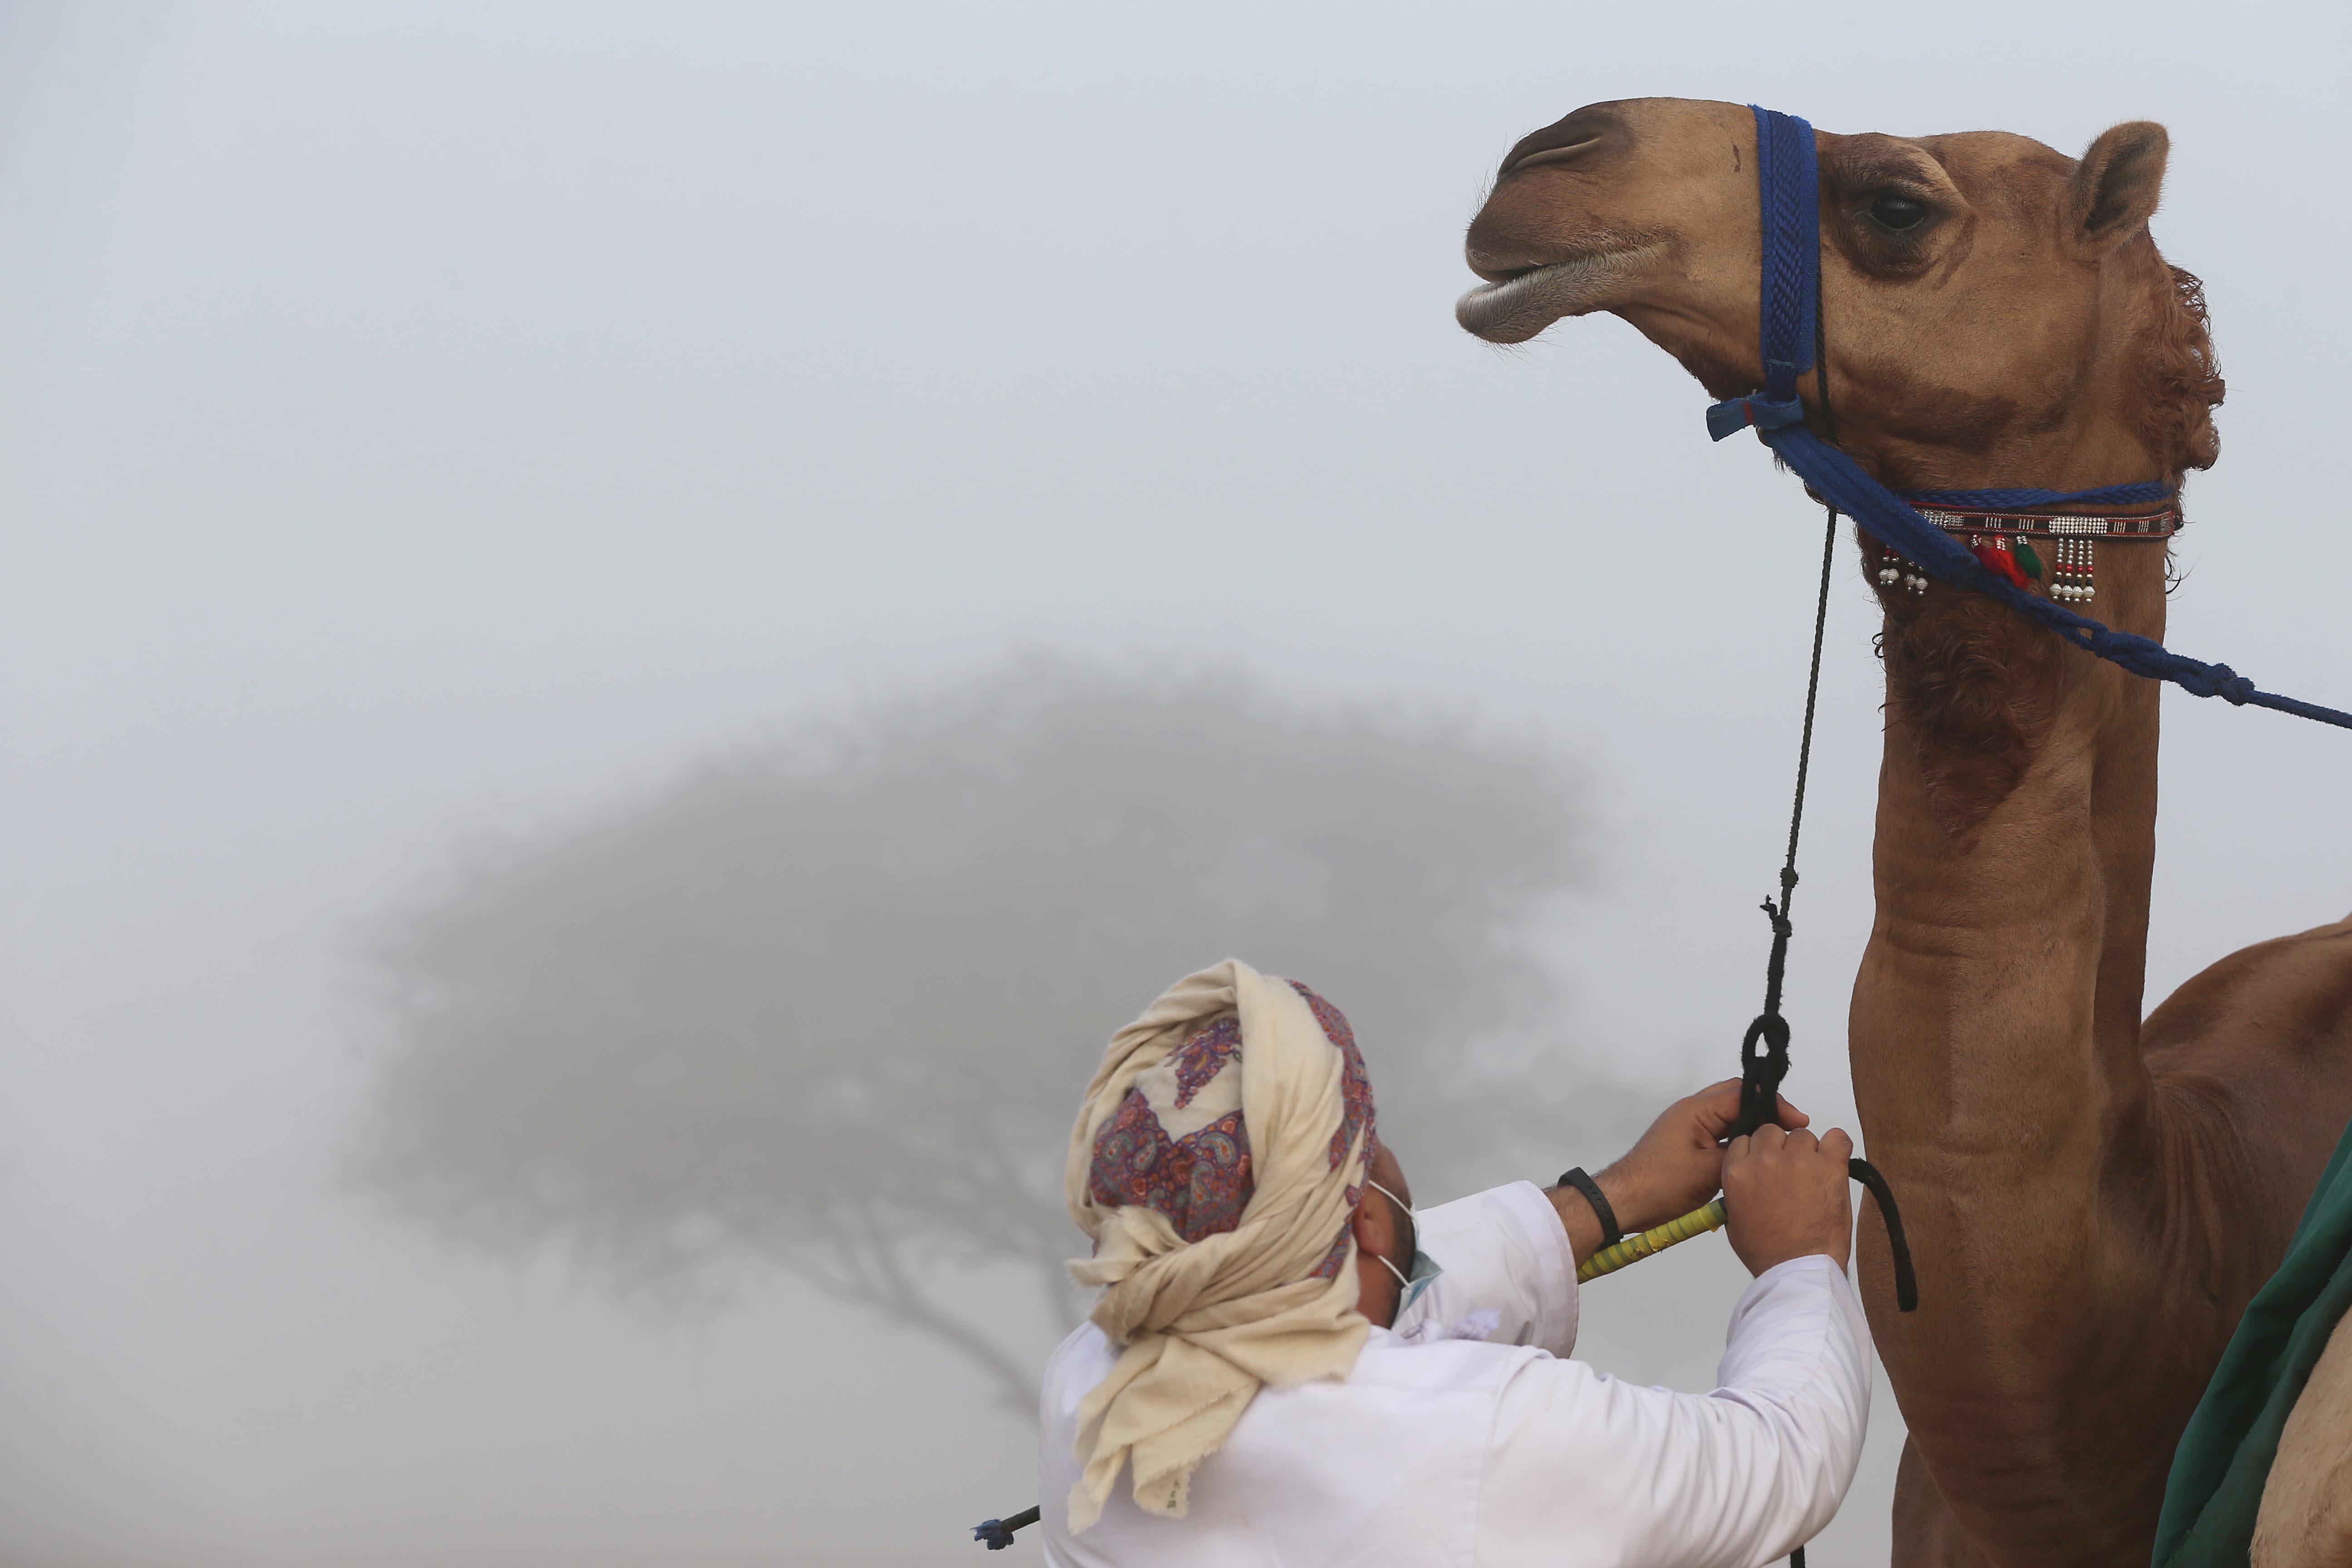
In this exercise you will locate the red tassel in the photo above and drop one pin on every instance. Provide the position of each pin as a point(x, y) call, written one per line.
point(1999, 563)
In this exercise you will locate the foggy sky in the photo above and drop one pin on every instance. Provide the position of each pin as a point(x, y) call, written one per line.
point(821, 1005)
point(424, 425)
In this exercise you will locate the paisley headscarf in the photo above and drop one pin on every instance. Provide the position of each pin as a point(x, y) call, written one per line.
point(1217, 1165)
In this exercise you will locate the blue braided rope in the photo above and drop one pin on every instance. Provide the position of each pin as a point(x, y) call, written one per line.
point(1788, 182)
point(1789, 176)
point(2146, 492)
point(1837, 479)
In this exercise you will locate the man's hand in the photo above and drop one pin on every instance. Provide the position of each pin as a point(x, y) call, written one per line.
point(1676, 1167)
point(1786, 1195)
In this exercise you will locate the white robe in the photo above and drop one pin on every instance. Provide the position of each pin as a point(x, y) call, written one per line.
point(1445, 1449)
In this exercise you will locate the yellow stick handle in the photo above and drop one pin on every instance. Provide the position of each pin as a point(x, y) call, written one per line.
point(1610, 1260)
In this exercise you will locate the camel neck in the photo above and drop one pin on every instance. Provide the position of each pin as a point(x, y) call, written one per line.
point(2001, 997)
point(1994, 1030)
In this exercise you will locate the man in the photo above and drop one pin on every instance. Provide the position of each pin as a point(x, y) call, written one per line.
point(1284, 1369)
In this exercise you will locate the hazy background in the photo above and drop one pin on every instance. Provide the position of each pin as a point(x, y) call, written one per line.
point(525, 522)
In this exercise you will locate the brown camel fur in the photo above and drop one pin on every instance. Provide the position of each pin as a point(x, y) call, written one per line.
point(2091, 1198)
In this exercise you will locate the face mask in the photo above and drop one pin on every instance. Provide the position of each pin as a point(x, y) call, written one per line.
point(1425, 1269)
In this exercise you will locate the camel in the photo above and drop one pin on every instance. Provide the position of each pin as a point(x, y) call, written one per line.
point(2091, 1196)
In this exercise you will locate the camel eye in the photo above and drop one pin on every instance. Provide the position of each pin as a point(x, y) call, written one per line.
point(1898, 212)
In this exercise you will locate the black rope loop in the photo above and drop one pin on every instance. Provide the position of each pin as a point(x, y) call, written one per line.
point(1907, 1283)
point(1761, 1072)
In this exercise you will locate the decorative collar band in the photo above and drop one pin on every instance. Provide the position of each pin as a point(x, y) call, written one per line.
point(2058, 525)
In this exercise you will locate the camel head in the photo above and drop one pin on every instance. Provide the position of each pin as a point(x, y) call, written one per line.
point(1996, 313)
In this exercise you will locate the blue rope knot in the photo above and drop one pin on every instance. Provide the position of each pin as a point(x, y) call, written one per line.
point(1754, 411)
point(2217, 680)
point(996, 1534)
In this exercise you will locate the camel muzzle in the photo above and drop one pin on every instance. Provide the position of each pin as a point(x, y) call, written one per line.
point(1516, 309)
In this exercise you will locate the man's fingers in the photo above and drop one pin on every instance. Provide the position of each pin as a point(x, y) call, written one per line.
point(1716, 1107)
point(1768, 1139)
point(1802, 1142)
point(1835, 1144)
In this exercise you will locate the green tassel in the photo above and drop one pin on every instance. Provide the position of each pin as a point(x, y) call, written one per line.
point(2028, 560)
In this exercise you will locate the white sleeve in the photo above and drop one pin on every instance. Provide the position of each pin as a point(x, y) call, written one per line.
point(1506, 1257)
point(1584, 1469)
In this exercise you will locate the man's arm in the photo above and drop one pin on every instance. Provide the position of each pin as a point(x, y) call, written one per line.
point(1512, 1252)
point(1676, 1167)
point(1724, 1479)
point(1508, 1276)
point(1586, 1468)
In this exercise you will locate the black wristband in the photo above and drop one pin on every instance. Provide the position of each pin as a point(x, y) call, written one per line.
point(1575, 1177)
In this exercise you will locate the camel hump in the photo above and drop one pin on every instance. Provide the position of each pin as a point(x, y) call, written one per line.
point(2268, 1032)
point(2291, 993)
point(2305, 1519)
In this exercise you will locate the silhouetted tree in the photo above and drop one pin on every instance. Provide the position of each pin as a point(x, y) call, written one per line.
point(832, 1004)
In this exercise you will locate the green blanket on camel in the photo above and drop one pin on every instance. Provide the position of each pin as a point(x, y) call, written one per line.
point(2225, 1457)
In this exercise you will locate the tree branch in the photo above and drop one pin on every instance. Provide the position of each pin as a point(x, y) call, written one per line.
point(872, 1275)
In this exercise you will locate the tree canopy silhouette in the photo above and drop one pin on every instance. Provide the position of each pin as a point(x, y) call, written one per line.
point(831, 1003)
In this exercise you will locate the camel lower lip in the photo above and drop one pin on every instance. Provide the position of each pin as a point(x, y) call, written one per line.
point(1517, 308)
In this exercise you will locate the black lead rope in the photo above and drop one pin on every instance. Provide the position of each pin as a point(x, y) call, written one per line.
point(1761, 1069)
point(1764, 1050)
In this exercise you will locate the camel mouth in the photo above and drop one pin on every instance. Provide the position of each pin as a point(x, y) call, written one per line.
point(1521, 306)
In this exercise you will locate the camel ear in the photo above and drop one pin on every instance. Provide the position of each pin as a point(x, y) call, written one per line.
point(2117, 182)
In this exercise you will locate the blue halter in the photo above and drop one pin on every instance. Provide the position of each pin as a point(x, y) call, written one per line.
point(1789, 177)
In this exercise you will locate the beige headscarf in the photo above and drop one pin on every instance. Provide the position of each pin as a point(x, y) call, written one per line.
point(1206, 1322)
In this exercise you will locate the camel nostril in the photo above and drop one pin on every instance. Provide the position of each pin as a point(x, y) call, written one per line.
point(1585, 134)
point(1568, 153)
